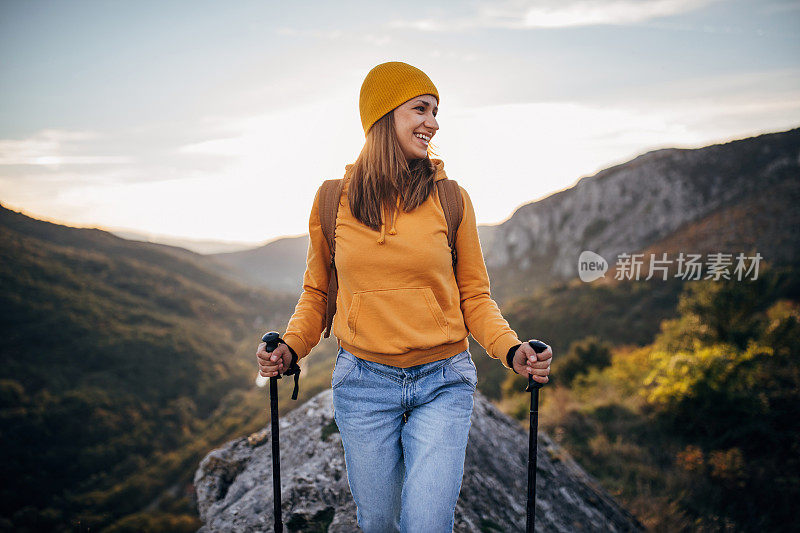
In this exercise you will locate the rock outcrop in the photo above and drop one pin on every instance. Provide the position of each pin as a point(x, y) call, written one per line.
point(628, 207)
point(234, 482)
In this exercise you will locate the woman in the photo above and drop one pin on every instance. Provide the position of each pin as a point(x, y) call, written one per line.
point(404, 379)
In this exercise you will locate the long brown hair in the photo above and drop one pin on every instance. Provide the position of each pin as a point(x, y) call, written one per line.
point(381, 173)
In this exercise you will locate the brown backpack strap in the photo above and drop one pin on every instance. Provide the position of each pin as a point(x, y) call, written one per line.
point(329, 197)
point(453, 206)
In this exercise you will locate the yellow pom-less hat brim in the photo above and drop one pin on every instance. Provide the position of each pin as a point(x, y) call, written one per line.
point(387, 86)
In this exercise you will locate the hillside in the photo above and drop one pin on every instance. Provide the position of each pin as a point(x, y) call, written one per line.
point(201, 246)
point(278, 265)
point(749, 186)
point(115, 353)
point(696, 429)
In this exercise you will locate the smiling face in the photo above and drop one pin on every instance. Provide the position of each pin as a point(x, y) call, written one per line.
point(415, 125)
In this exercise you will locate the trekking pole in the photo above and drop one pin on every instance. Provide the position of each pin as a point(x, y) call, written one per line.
point(273, 339)
point(533, 388)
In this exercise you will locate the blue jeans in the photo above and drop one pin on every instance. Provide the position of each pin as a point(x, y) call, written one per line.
point(405, 433)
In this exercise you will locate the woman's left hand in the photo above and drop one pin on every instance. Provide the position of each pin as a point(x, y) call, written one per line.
point(526, 361)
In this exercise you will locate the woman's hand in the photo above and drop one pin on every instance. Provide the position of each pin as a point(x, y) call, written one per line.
point(527, 361)
point(271, 364)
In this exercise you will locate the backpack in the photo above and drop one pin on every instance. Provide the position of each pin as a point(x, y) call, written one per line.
point(330, 195)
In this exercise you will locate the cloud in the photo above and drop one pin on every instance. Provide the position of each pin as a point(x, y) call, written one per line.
point(594, 12)
point(163, 151)
point(454, 55)
point(228, 147)
point(377, 40)
point(517, 14)
point(53, 148)
point(783, 7)
point(335, 35)
point(241, 178)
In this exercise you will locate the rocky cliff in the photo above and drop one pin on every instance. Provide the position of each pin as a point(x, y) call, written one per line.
point(234, 482)
point(628, 207)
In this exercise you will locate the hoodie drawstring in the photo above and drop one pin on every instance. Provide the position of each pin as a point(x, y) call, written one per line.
point(394, 217)
point(382, 238)
point(392, 231)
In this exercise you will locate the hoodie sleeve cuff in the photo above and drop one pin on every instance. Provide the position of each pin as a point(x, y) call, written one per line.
point(300, 352)
point(294, 355)
point(510, 357)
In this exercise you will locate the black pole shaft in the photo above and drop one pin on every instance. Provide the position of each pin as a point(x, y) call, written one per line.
point(533, 387)
point(276, 453)
point(532, 451)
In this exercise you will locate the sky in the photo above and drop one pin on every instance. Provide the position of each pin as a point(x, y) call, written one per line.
point(219, 120)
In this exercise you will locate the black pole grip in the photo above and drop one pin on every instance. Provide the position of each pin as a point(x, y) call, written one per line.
point(272, 339)
point(538, 347)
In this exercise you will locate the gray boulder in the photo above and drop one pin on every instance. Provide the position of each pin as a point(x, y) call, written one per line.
point(234, 482)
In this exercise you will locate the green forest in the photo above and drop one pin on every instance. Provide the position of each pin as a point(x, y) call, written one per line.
point(696, 430)
point(124, 363)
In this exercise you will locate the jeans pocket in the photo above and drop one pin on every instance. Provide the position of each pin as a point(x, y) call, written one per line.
point(464, 367)
point(345, 364)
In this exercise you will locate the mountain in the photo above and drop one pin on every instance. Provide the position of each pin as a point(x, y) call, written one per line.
point(118, 357)
point(732, 197)
point(234, 482)
point(278, 265)
point(200, 246)
point(739, 196)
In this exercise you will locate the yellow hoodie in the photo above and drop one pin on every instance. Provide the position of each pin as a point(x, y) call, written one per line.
point(399, 303)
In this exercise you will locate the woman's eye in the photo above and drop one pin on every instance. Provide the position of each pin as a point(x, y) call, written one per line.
point(420, 107)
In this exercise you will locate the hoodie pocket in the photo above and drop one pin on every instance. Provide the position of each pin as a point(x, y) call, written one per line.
point(395, 321)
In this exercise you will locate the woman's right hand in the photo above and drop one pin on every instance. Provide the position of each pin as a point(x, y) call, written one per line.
point(271, 364)
point(537, 365)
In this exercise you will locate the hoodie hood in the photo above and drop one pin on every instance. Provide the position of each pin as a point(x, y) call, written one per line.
point(439, 175)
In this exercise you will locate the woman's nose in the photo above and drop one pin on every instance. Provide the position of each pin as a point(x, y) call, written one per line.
point(431, 122)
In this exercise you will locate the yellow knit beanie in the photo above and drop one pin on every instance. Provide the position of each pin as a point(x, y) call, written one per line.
point(387, 86)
